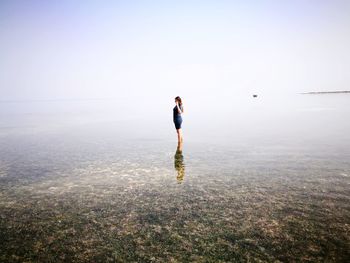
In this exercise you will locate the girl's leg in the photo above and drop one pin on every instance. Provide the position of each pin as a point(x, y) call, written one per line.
point(180, 139)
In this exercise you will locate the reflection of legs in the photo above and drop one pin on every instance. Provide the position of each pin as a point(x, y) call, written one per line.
point(179, 163)
point(179, 135)
point(179, 146)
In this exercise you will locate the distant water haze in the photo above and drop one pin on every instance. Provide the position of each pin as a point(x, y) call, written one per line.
point(268, 118)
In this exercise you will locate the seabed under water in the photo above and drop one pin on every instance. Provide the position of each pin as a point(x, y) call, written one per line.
point(165, 204)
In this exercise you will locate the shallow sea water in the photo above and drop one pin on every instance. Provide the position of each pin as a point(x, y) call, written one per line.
point(88, 193)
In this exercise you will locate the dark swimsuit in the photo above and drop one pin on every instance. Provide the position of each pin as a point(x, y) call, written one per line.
point(177, 117)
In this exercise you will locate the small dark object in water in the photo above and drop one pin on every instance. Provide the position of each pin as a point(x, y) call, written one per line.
point(254, 95)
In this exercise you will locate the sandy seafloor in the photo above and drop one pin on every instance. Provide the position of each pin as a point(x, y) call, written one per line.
point(89, 195)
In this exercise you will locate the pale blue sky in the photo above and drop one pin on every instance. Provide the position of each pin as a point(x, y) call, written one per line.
point(160, 49)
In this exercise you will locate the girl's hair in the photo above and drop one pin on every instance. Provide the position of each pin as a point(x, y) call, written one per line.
point(179, 99)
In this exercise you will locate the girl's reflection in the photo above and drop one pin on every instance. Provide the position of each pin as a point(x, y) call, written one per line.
point(179, 163)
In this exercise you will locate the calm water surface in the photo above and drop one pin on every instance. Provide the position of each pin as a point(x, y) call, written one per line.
point(262, 180)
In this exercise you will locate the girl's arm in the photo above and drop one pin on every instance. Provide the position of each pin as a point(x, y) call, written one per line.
point(179, 109)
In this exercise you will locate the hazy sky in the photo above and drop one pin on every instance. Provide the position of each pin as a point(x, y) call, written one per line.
point(160, 49)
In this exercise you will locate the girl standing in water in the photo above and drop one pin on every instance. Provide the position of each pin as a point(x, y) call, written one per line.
point(177, 111)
